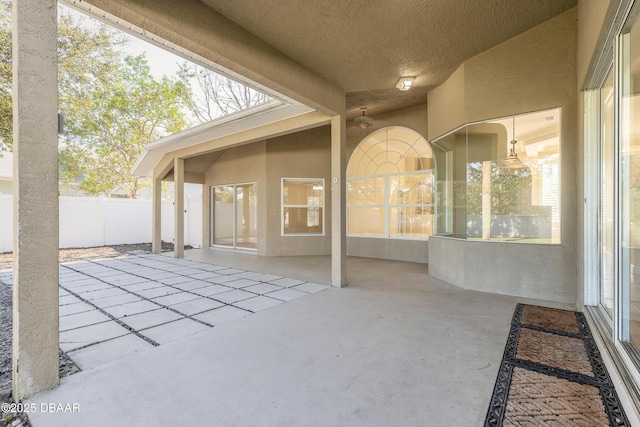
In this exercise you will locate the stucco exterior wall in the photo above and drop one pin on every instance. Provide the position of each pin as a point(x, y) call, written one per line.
point(304, 154)
point(533, 71)
point(447, 105)
point(525, 270)
point(307, 154)
point(414, 118)
point(393, 249)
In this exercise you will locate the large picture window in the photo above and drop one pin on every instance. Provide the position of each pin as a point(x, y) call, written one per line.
point(302, 206)
point(501, 179)
point(390, 180)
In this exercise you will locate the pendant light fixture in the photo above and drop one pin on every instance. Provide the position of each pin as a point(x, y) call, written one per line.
point(512, 161)
point(363, 121)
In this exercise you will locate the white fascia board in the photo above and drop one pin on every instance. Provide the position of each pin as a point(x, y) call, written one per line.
point(271, 112)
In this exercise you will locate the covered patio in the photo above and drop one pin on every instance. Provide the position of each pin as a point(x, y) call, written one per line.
point(390, 349)
point(401, 344)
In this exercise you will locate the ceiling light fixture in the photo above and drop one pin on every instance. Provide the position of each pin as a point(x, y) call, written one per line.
point(363, 121)
point(512, 161)
point(405, 83)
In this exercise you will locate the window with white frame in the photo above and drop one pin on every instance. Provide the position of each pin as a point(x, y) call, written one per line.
point(390, 180)
point(302, 206)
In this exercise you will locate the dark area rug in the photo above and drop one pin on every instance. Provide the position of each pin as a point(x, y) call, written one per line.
point(552, 374)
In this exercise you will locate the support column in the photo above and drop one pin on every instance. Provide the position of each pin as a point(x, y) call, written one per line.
point(486, 200)
point(156, 219)
point(338, 201)
point(246, 214)
point(206, 216)
point(178, 196)
point(35, 198)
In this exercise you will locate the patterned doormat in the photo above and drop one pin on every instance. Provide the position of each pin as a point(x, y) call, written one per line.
point(552, 374)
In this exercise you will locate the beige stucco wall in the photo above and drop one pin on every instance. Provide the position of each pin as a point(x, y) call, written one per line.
point(447, 105)
point(304, 154)
point(307, 154)
point(414, 118)
point(533, 71)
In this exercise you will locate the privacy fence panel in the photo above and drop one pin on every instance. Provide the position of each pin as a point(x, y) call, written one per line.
point(99, 221)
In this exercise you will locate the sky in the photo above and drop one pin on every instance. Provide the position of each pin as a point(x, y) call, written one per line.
point(161, 61)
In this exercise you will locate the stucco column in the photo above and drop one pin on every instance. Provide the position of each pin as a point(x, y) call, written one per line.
point(486, 200)
point(156, 217)
point(178, 196)
point(338, 201)
point(35, 198)
point(206, 216)
point(246, 214)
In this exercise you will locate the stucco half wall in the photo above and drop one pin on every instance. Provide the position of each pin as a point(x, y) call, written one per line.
point(537, 271)
point(533, 71)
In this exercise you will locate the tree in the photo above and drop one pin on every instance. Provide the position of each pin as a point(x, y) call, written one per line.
point(113, 107)
point(220, 95)
point(113, 119)
point(83, 56)
point(6, 109)
point(510, 190)
point(111, 103)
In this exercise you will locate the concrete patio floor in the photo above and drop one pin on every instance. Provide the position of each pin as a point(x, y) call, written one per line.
point(116, 307)
point(396, 347)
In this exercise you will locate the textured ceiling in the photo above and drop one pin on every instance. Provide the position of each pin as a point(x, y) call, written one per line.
point(364, 47)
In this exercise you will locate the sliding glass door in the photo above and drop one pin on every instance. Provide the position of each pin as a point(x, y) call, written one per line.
point(629, 122)
point(612, 192)
point(234, 214)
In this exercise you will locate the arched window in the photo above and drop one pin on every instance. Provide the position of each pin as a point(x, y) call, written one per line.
point(390, 182)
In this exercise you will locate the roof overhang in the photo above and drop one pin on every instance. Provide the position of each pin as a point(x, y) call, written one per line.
point(259, 116)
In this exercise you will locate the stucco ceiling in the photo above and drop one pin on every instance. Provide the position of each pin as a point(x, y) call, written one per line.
point(364, 47)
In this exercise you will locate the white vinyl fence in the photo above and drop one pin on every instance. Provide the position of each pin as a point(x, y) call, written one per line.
point(99, 221)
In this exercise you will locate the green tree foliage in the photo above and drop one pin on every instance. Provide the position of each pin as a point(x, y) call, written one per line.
point(510, 190)
point(113, 121)
point(6, 112)
point(112, 105)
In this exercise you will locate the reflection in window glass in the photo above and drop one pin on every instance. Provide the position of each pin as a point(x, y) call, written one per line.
point(390, 186)
point(235, 213)
point(607, 200)
point(630, 182)
point(223, 226)
point(302, 206)
point(501, 180)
